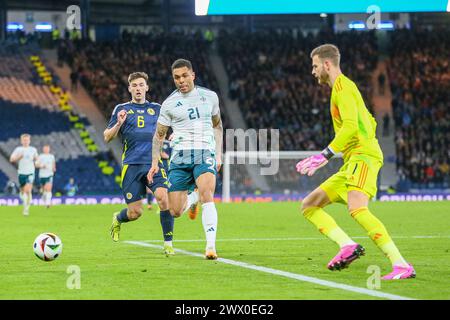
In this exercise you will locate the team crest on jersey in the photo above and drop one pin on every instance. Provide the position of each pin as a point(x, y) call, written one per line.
point(129, 196)
point(150, 111)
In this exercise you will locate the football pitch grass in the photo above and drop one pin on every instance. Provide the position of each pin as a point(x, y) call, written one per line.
point(267, 250)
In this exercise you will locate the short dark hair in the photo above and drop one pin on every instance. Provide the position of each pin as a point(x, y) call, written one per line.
point(180, 63)
point(138, 75)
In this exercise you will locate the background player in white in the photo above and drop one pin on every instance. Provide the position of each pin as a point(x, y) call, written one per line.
point(47, 167)
point(25, 156)
point(194, 115)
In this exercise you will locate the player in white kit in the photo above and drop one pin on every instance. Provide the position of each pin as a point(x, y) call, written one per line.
point(25, 156)
point(47, 167)
point(194, 115)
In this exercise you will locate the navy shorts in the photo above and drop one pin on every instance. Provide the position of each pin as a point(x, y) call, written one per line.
point(187, 165)
point(134, 181)
point(165, 163)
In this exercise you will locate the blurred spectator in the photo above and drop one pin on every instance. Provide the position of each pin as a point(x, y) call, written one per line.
point(71, 188)
point(381, 83)
point(270, 77)
point(419, 77)
point(62, 53)
point(106, 65)
point(11, 188)
point(74, 75)
point(386, 124)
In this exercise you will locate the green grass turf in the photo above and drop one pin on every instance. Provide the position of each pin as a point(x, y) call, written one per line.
point(124, 271)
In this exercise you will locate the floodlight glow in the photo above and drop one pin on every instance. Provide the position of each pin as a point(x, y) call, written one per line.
point(43, 27)
point(386, 25)
point(14, 26)
point(201, 7)
point(358, 25)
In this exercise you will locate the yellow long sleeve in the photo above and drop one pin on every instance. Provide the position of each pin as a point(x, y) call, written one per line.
point(349, 116)
point(353, 124)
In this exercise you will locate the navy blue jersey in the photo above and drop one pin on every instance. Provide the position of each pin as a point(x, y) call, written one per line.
point(166, 148)
point(137, 131)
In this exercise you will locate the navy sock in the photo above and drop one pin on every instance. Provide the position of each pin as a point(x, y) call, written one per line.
point(122, 216)
point(149, 198)
point(166, 224)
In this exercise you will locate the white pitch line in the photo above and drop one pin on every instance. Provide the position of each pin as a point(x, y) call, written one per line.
point(296, 239)
point(286, 274)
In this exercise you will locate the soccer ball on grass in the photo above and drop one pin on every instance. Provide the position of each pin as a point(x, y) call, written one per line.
point(47, 246)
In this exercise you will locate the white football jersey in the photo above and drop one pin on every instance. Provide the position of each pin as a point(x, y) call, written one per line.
point(46, 161)
point(26, 163)
point(189, 115)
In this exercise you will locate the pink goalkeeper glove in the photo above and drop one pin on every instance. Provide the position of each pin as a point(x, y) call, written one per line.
point(311, 164)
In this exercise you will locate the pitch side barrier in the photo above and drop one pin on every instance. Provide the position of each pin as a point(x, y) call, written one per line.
point(108, 199)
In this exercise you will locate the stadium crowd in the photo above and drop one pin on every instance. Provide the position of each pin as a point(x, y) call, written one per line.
point(103, 67)
point(270, 76)
point(419, 76)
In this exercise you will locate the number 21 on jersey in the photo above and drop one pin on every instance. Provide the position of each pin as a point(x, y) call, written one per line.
point(193, 113)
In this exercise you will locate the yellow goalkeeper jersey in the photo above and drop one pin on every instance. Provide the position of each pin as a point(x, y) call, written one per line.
point(353, 124)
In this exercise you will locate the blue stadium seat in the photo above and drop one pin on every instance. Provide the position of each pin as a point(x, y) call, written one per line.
point(3, 181)
point(20, 118)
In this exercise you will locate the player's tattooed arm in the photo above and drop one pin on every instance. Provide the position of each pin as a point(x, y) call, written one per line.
point(158, 141)
point(218, 137)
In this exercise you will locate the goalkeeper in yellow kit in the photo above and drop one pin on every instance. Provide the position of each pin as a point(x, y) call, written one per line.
point(355, 183)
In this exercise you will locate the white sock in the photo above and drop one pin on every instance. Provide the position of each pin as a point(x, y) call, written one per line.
point(168, 243)
point(21, 196)
point(191, 199)
point(24, 198)
point(30, 198)
point(209, 220)
point(47, 197)
point(27, 201)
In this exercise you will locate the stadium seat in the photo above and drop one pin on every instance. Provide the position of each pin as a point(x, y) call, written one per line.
point(34, 109)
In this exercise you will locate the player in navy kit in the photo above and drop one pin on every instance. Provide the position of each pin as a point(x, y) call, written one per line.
point(165, 156)
point(136, 122)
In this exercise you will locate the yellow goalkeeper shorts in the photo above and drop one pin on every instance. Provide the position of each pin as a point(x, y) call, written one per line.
point(359, 173)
